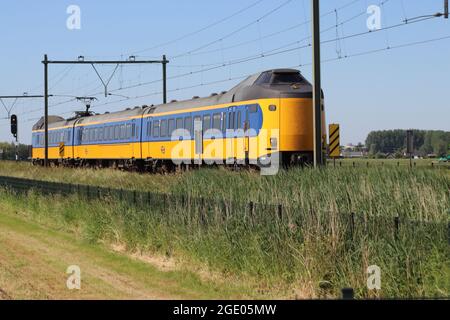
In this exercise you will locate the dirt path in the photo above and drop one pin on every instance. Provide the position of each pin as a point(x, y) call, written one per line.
point(34, 260)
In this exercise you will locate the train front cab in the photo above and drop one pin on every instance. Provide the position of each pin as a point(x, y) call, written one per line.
point(297, 130)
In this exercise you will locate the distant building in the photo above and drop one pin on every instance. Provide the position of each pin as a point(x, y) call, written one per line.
point(351, 151)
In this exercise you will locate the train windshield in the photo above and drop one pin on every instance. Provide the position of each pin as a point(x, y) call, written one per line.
point(279, 78)
point(286, 78)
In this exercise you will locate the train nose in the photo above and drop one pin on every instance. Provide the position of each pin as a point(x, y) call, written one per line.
point(296, 125)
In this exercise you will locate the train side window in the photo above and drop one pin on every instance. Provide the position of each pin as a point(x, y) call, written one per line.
point(231, 120)
point(171, 126)
point(206, 122)
point(179, 123)
point(128, 132)
point(116, 132)
point(238, 123)
point(253, 108)
point(133, 130)
point(224, 121)
point(163, 128)
point(188, 124)
point(156, 129)
point(216, 121)
point(149, 128)
point(122, 131)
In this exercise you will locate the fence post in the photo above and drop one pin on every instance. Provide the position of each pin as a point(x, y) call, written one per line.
point(88, 192)
point(251, 209)
point(225, 210)
point(397, 225)
point(448, 233)
point(148, 198)
point(348, 294)
point(134, 197)
point(280, 212)
point(352, 225)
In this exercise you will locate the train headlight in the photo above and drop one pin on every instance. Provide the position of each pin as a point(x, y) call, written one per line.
point(272, 107)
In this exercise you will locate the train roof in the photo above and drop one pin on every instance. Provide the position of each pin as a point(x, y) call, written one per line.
point(248, 89)
point(257, 86)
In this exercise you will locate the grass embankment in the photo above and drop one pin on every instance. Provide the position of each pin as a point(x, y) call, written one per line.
point(34, 258)
point(311, 251)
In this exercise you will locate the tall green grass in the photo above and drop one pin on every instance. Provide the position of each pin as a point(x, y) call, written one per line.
point(417, 193)
point(312, 249)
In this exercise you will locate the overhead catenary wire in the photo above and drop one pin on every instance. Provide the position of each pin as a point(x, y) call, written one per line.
point(276, 51)
point(190, 34)
point(368, 52)
point(420, 18)
point(234, 31)
point(363, 53)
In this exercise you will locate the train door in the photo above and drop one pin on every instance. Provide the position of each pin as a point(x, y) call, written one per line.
point(135, 146)
point(146, 137)
point(198, 137)
point(247, 133)
point(231, 135)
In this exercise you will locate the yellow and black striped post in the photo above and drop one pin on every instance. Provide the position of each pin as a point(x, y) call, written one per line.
point(334, 141)
point(61, 149)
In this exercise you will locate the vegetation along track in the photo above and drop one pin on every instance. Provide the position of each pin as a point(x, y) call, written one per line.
point(313, 249)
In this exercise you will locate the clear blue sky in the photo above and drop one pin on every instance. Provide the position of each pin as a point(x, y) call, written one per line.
point(401, 88)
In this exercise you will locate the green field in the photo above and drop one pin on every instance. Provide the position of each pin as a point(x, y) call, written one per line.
point(309, 251)
point(360, 162)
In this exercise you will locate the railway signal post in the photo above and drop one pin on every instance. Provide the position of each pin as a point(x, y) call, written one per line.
point(14, 133)
point(81, 60)
point(13, 118)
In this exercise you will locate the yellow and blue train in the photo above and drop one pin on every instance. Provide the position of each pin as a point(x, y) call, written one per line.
point(269, 113)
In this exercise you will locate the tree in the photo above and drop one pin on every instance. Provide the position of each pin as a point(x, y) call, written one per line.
point(394, 142)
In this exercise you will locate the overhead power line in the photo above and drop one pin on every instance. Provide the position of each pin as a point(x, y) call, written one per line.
point(235, 31)
point(363, 53)
point(272, 52)
point(190, 34)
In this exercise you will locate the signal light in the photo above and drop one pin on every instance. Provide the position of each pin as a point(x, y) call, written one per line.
point(14, 125)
